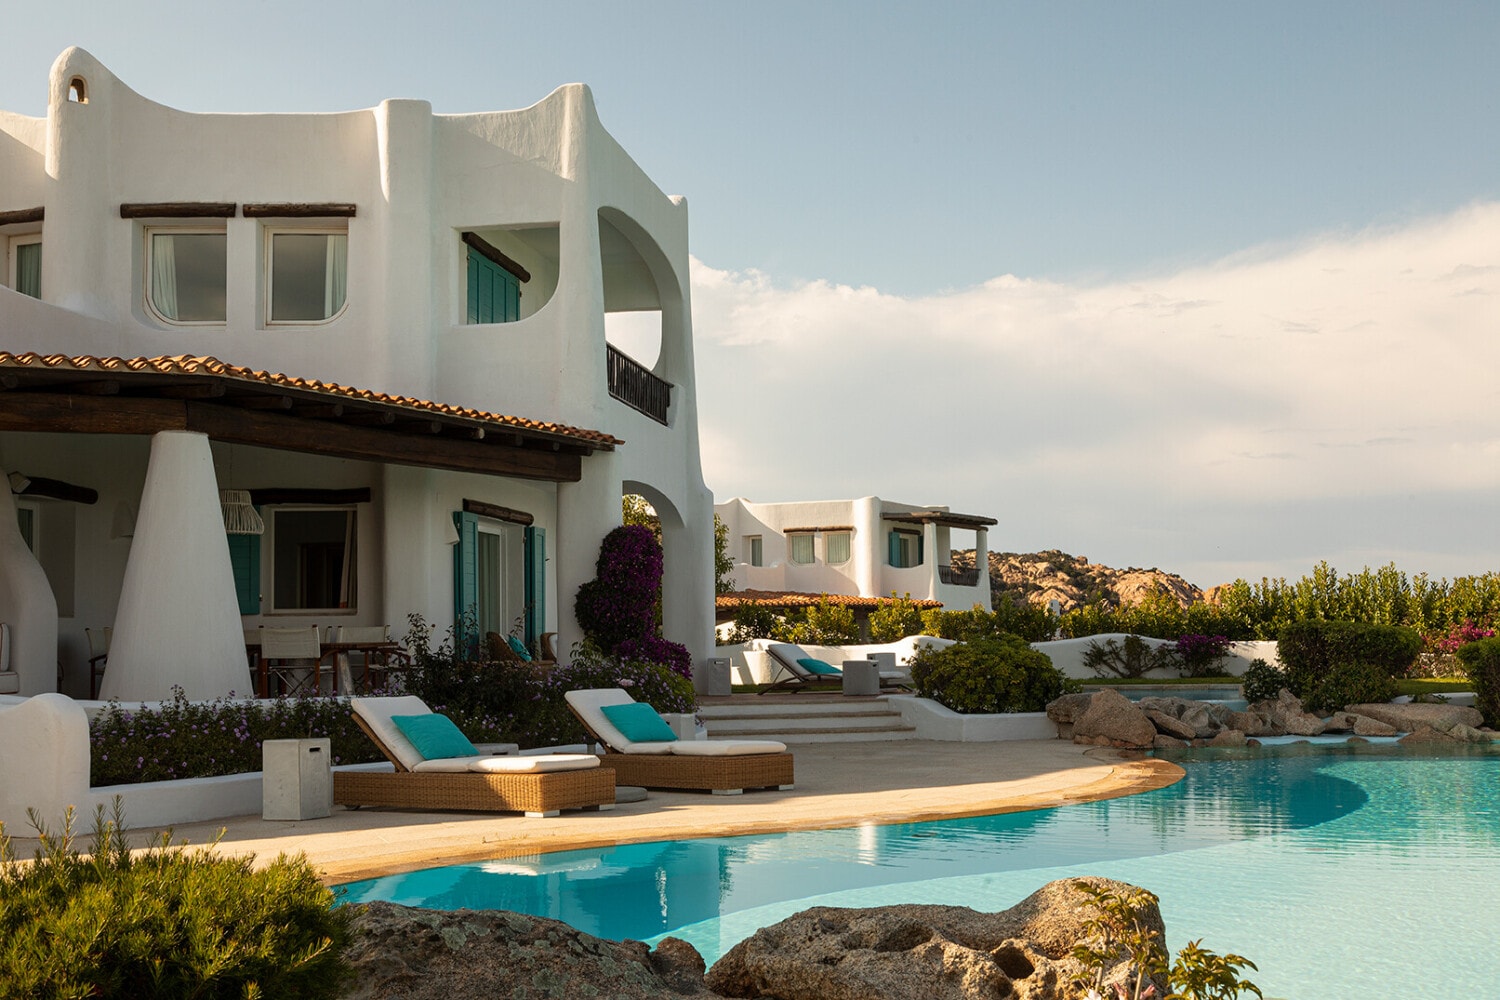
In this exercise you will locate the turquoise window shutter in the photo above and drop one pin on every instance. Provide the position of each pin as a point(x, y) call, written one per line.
point(536, 583)
point(465, 577)
point(494, 293)
point(244, 557)
point(893, 549)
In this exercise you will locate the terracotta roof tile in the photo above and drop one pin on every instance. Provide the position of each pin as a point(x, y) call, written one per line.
point(184, 364)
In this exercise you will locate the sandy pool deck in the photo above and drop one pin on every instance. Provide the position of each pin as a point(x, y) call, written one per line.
point(838, 784)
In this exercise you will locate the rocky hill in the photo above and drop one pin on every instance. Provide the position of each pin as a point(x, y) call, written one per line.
point(1040, 577)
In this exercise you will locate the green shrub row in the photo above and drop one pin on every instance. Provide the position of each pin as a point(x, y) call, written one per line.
point(1481, 662)
point(1332, 664)
point(163, 923)
point(997, 673)
point(492, 701)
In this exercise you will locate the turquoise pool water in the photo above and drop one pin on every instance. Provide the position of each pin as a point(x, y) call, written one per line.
point(1343, 872)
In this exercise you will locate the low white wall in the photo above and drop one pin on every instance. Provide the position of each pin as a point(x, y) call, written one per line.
point(1067, 655)
point(938, 722)
point(749, 664)
point(44, 753)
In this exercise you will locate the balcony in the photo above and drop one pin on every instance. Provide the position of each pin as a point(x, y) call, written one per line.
point(958, 577)
point(633, 384)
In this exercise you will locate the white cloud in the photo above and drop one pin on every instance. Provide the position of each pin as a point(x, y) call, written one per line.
point(1110, 418)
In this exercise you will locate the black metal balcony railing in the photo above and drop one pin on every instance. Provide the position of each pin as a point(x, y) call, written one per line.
point(633, 384)
point(958, 577)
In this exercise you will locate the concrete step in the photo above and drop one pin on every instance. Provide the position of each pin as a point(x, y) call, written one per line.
point(803, 724)
point(786, 707)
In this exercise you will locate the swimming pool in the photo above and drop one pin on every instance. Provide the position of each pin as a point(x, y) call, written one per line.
point(1344, 872)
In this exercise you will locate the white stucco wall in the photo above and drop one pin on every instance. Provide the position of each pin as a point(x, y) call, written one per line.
point(550, 175)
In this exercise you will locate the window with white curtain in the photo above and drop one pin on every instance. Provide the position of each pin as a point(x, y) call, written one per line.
point(755, 550)
point(801, 548)
point(307, 274)
point(24, 264)
point(185, 275)
point(837, 545)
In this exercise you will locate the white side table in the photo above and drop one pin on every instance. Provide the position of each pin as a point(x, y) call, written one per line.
point(296, 779)
point(861, 678)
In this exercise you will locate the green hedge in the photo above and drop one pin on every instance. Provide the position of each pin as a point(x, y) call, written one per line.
point(164, 923)
point(1481, 662)
point(1310, 650)
point(988, 674)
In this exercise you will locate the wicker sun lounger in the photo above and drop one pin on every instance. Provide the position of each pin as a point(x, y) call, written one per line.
point(724, 767)
point(529, 785)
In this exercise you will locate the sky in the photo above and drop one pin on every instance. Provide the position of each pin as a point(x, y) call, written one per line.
point(1206, 287)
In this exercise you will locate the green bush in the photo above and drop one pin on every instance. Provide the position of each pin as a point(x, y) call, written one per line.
point(164, 923)
point(1032, 624)
point(823, 624)
point(1309, 650)
point(894, 618)
point(1261, 681)
point(988, 674)
point(752, 620)
point(1135, 657)
point(1481, 662)
point(1349, 684)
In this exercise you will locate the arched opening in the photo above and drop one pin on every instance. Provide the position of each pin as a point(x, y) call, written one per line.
point(632, 300)
point(78, 90)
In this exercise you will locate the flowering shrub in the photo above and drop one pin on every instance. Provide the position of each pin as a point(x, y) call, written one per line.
point(1459, 635)
point(620, 602)
point(1200, 654)
point(183, 739)
point(654, 649)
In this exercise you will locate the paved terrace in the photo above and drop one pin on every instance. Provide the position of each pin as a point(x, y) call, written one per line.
point(838, 784)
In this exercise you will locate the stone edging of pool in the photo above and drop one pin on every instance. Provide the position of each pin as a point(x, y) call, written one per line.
point(1130, 774)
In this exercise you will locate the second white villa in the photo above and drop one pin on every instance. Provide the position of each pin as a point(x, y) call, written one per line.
point(867, 547)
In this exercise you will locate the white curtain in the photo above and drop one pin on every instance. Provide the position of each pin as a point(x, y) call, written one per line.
point(29, 269)
point(335, 273)
point(164, 274)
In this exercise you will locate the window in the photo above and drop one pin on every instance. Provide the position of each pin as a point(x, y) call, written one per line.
point(801, 548)
point(755, 550)
point(837, 544)
point(501, 598)
point(905, 549)
point(185, 275)
point(307, 274)
point(313, 566)
point(24, 265)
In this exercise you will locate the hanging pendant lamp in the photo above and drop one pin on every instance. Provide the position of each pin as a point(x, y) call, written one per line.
point(240, 515)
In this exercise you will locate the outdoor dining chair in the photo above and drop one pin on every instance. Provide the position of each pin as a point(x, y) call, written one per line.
point(291, 660)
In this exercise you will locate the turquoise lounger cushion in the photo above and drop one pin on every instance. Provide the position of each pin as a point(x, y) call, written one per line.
point(639, 723)
point(435, 736)
point(816, 666)
point(519, 647)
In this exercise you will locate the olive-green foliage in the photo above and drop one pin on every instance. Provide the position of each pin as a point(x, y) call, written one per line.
point(723, 560)
point(1115, 931)
point(894, 618)
point(1261, 681)
point(1309, 650)
point(1134, 657)
point(183, 739)
point(166, 923)
point(752, 620)
point(823, 624)
point(1350, 683)
point(1032, 624)
point(1481, 662)
point(1158, 616)
point(999, 673)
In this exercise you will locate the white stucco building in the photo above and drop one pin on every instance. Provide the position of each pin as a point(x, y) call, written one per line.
point(867, 547)
point(387, 325)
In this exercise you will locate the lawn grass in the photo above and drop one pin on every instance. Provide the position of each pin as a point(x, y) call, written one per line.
point(1434, 685)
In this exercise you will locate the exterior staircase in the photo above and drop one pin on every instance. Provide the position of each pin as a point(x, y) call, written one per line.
point(803, 719)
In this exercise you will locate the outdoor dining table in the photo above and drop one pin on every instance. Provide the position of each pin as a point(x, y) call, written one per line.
point(378, 658)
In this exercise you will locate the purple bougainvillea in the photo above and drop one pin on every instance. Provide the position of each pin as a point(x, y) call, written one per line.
point(617, 609)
